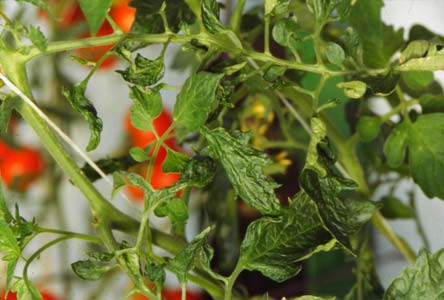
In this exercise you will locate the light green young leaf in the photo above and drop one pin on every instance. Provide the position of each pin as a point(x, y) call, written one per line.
point(37, 38)
point(368, 128)
point(9, 248)
point(175, 161)
point(323, 9)
point(395, 146)
point(138, 154)
point(26, 290)
point(144, 71)
point(147, 107)
point(285, 32)
point(424, 280)
point(186, 260)
point(95, 12)
point(76, 97)
point(415, 49)
point(245, 169)
point(354, 89)
point(196, 99)
point(334, 53)
point(276, 245)
point(140, 182)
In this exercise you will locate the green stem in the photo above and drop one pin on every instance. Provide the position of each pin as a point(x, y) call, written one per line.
point(70, 234)
point(267, 35)
point(231, 280)
point(236, 17)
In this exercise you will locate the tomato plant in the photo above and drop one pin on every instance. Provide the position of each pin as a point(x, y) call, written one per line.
point(290, 164)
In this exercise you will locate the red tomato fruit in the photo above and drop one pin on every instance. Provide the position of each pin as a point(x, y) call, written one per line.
point(45, 296)
point(69, 15)
point(21, 167)
point(173, 294)
point(5, 150)
point(123, 15)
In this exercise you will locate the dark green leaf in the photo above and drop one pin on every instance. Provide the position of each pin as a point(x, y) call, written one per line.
point(323, 9)
point(432, 103)
point(37, 38)
point(76, 97)
point(196, 99)
point(368, 128)
point(186, 260)
point(424, 280)
point(417, 80)
point(382, 85)
point(95, 12)
point(175, 209)
point(199, 171)
point(138, 154)
point(175, 161)
point(155, 272)
point(276, 245)
point(210, 16)
point(334, 53)
point(393, 208)
point(26, 290)
point(354, 89)
point(245, 169)
point(89, 270)
point(379, 41)
point(395, 146)
point(144, 72)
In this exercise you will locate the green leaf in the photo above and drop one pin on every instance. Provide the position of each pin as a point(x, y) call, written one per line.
point(382, 85)
point(6, 108)
point(351, 42)
point(393, 208)
point(431, 103)
point(354, 89)
point(323, 9)
point(76, 97)
point(5, 215)
point(245, 169)
point(199, 171)
point(147, 107)
point(276, 245)
point(395, 146)
point(26, 290)
point(118, 183)
point(108, 166)
point(334, 53)
point(175, 161)
point(210, 16)
point(155, 272)
point(138, 154)
point(417, 80)
point(144, 71)
point(368, 128)
point(426, 153)
point(89, 269)
point(175, 209)
point(285, 33)
point(415, 49)
point(379, 41)
point(186, 260)
point(40, 4)
point(37, 38)
point(424, 280)
point(140, 182)
point(9, 248)
point(95, 12)
point(414, 57)
point(196, 100)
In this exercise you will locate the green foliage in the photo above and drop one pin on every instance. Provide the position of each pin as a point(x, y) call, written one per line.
point(89, 270)
point(37, 38)
point(175, 161)
point(147, 107)
point(393, 208)
point(368, 128)
point(26, 290)
point(353, 89)
point(95, 12)
point(432, 103)
point(144, 71)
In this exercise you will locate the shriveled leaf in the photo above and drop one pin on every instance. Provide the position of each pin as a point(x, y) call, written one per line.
point(199, 171)
point(108, 166)
point(432, 103)
point(368, 128)
point(140, 182)
point(424, 280)
point(37, 38)
point(26, 290)
point(245, 169)
point(276, 245)
point(144, 71)
point(196, 100)
point(354, 89)
point(95, 12)
point(175, 161)
point(186, 260)
point(393, 208)
point(89, 270)
point(334, 53)
point(81, 104)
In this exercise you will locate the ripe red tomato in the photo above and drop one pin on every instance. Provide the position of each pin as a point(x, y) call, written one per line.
point(173, 294)
point(21, 167)
point(70, 13)
point(5, 150)
point(45, 296)
point(123, 15)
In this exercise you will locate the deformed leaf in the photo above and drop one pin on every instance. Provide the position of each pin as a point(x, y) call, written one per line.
point(9, 248)
point(354, 89)
point(309, 297)
point(89, 270)
point(419, 60)
point(382, 85)
point(245, 169)
point(210, 16)
point(186, 260)
point(199, 171)
point(175, 209)
point(155, 272)
point(276, 245)
point(196, 99)
point(95, 12)
point(144, 71)
point(424, 280)
point(175, 161)
point(415, 49)
point(81, 104)
point(323, 10)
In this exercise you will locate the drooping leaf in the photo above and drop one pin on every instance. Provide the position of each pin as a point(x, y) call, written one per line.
point(276, 245)
point(90, 270)
point(196, 99)
point(95, 12)
point(37, 38)
point(81, 104)
point(245, 169)
point(175, 161)
point(186, 260)
point(26, 290)
point(108, 166)
point(143, 71)
point(354, 89)
point(431, 103)
point(424, 280)
point(393, 208)
point(379, 41)
point(368, 128)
